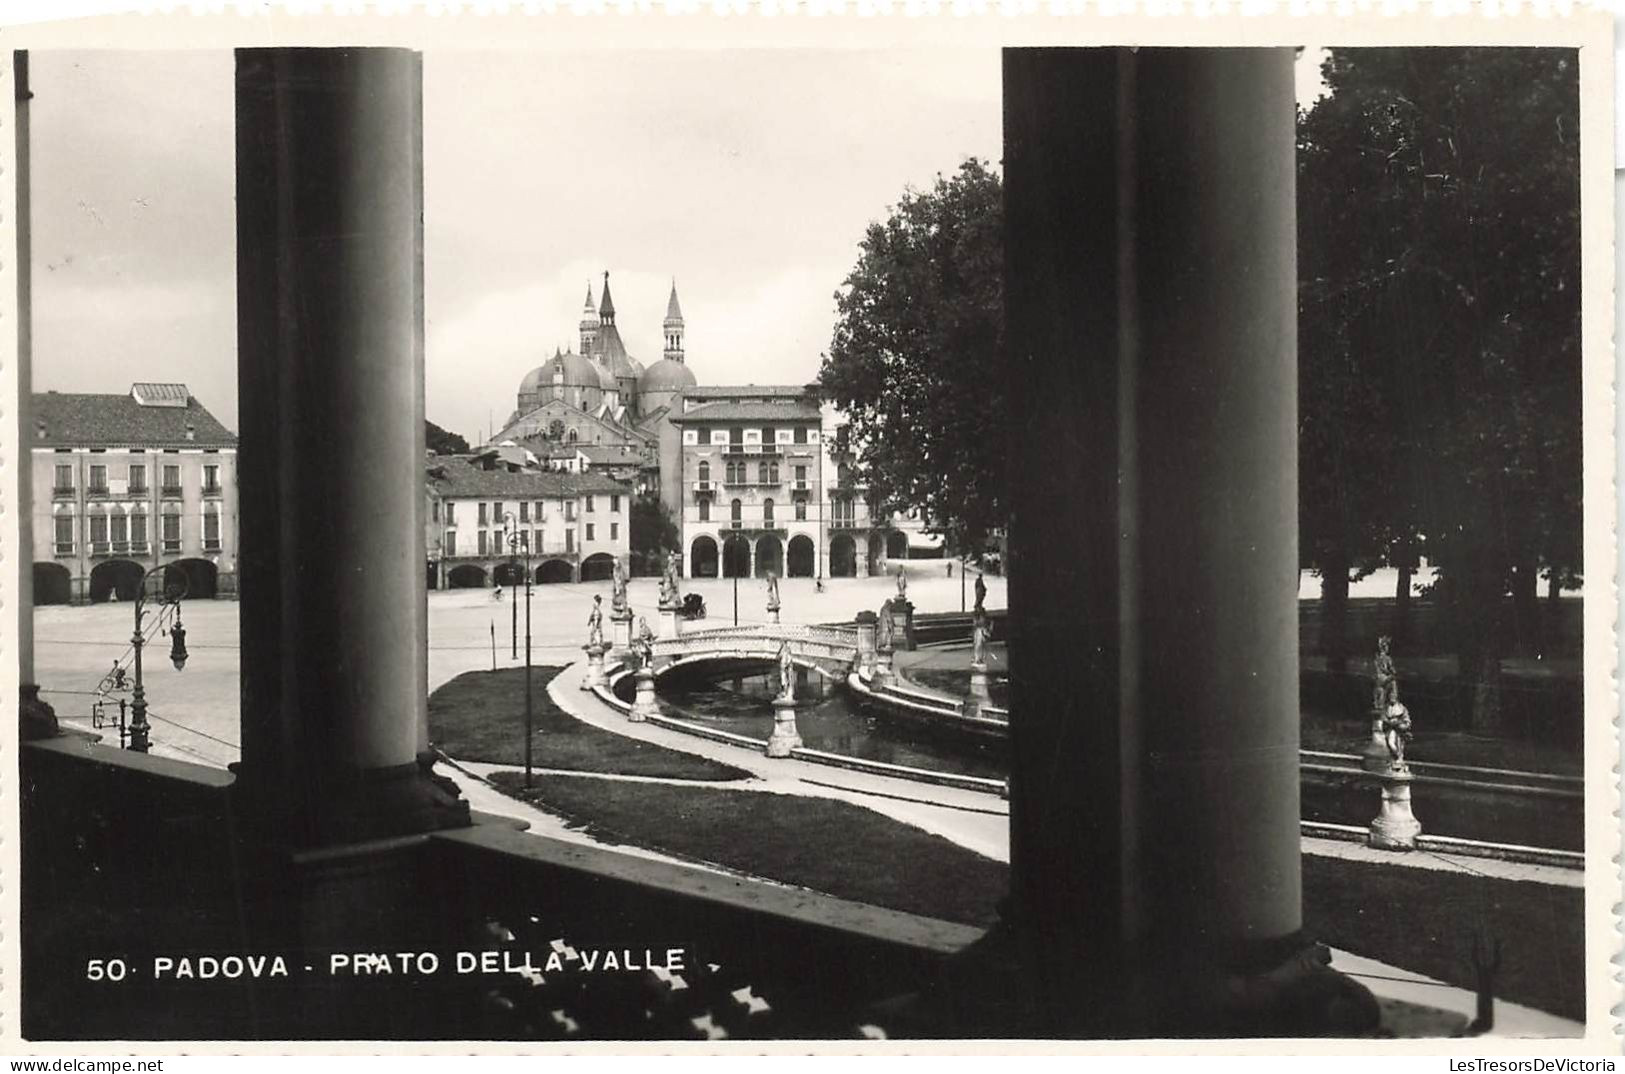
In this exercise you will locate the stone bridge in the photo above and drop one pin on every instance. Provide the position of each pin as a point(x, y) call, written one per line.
point(831, 651)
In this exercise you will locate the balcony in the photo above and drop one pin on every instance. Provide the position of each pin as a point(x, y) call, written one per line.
point(171, 490)
point(211, 545)
point(100, 548)
point(96, 491)
point(800, 486)
point(213, 490)
point(63, 492)
point(140, 490)
point(64, 548)
point(704, 487)
point(172, 545)
point(140, 548)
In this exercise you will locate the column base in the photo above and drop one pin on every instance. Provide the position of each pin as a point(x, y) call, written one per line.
point(344, 806)
point(1396, 827)
point(37, 718)
point(671, 623)
point(785, 737)
point(1000, 987)
point(773, 616)
point(882, 673)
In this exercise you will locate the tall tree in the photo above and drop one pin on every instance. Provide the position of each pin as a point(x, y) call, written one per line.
point(918, 361)
point(442, 442)
point(1441, 241)
point(653, 534)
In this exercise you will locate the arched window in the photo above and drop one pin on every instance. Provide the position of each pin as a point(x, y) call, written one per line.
point(761, 473)
point(555, 429)
point(843, 473)
point(736, 512)
point(705, 471)
point(767, 513)
point(572, 437)
point(773, 473)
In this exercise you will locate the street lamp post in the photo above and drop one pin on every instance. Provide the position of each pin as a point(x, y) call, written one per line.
point(513, 564)
point(516, 541)
point(140, 737)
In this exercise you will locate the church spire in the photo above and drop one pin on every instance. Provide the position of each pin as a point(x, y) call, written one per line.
point(589, 323)
point(606, 308)
point(673, 325)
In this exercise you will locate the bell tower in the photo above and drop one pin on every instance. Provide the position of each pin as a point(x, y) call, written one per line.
point(589, 324)
point(673, 325)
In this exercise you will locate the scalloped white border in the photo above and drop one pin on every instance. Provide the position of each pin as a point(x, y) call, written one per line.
point(527, 25)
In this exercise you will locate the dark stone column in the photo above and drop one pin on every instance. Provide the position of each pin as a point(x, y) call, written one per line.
point(38, 719)
point(330, 353)
point(1151, 310)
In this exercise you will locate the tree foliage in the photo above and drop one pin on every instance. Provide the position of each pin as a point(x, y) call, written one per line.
point(1439, 261)
point(653, 534)
point(918, 361)
point(441, 442)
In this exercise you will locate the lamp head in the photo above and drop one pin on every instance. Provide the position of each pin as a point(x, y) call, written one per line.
point(177, 646)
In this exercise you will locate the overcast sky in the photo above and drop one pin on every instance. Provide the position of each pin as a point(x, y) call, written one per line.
point(747, 176)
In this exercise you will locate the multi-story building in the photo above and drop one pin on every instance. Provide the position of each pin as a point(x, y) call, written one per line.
point(747, 469)
point(124, 483)
point(575, 526)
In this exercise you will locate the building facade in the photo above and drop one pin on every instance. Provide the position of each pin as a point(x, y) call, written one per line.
point(125, 483)
point(574, 526)
point(749, 476)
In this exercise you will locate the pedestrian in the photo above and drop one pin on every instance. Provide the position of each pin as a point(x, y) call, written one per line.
point(818, 583)
point(950, 568)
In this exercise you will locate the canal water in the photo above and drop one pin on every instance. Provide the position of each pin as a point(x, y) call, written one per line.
point(826, 720)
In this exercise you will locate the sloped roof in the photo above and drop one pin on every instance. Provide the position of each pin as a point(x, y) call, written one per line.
point(674, 312)
point(748, 391)
point(780, 411)
point(457, 476)
point(72, 419)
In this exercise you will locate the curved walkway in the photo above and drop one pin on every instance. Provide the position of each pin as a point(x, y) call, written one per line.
point(973, 820)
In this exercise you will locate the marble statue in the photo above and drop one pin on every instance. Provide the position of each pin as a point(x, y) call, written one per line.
point(618, 605)
point(1396, 732)
point(668, 583)
point(883, 627)
point(978, 638)
point(772, 592)
point(981, 591)
point(902, 584)
point(1385, 682)
point(787, 672)
point(595, 621)
point(645, 643)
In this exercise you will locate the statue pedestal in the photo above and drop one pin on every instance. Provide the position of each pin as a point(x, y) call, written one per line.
point(902, 622)
point(785, 737)
point(882, 670)
point(595, 666)
point(866, 643)
point(1374, 756)
point(644, 705)
point(773, 616)
point(978, 684)
point(1396, 827)
point(620, 632)
point(671, 623)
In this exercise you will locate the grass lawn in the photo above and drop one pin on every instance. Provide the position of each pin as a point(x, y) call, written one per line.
point(480, 716)
point(818, 843)
point(1416, 919)
point(1424, 920)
